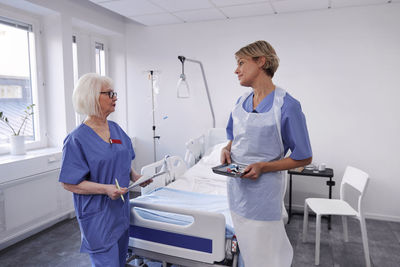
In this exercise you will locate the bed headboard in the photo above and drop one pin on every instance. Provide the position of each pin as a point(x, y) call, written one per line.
point(196, 147)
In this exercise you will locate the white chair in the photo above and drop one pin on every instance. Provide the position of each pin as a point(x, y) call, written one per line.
point(358, 180)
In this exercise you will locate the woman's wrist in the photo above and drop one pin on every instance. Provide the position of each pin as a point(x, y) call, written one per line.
point(227, 148)
point(265, 167)
point(135, 176)
point(105, 189)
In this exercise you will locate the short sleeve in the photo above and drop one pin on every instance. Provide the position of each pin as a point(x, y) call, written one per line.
point(74, 167)
point(131, 150)
point(229, 126)
point(294, 132)
point(126, 138)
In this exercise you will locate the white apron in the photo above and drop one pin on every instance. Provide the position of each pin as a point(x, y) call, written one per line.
point(256, 204)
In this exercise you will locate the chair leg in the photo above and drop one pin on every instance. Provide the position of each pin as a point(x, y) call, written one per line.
point(365, 241)
point(317, 238)
point(305, 221)
point(345, 229)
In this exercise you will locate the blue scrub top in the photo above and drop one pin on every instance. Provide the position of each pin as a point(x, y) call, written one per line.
point(293, 124)
point(86, 156)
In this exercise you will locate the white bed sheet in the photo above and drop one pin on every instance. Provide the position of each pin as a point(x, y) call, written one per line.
point(200, 178)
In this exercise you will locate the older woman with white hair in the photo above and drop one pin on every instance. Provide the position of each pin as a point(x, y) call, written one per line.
point(96, 167)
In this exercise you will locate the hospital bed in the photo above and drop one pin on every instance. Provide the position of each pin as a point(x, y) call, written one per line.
point(183, 217)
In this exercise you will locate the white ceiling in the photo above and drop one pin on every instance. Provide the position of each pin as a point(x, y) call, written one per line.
point(161, 12)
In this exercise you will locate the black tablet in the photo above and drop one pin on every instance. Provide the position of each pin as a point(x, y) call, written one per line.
point(233, 169)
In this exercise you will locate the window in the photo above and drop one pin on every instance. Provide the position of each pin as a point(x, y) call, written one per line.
point(100, 59)
point(75, 59)
point(18, 79)
point(78, 118)
point(89, 54)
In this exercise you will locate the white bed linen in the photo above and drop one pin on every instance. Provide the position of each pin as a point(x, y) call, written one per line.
point(200, 178)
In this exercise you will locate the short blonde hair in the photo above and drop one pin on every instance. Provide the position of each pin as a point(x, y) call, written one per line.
point(85, 97)
point(261, 49)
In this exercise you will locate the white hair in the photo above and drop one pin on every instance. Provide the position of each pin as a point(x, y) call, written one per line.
point(85, 97)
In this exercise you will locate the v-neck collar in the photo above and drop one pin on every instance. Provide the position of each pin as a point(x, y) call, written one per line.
point(264, 106)
point(98, 136)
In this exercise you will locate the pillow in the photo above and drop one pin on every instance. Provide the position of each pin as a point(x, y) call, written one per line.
point(213, 155)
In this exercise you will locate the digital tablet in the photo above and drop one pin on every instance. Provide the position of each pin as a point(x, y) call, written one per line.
point(145, 178)
point(233, 169)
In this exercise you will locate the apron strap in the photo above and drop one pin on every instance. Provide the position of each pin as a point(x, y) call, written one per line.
point(277, 105)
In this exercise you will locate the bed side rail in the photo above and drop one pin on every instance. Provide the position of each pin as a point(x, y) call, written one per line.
point(196, 147)
point(194, 150)
point(202, 240)
point(174, 166)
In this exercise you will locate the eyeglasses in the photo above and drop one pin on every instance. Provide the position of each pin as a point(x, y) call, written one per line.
point(110, 94)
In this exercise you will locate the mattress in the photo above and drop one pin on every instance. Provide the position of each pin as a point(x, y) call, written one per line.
point(186, 200)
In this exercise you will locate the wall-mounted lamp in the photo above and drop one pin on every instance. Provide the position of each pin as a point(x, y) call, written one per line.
point(183, 86)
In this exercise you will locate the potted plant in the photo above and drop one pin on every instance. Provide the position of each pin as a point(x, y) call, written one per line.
point(17, 139)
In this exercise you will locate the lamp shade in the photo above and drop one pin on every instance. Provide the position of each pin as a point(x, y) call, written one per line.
point(182, 87)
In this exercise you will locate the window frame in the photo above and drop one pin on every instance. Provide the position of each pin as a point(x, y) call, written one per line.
point(37, 82)
point(86, 45)
point(76, 69)
point(102, 40)
point(95, 38)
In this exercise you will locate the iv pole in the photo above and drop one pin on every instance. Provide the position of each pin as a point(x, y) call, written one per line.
point(154, 121)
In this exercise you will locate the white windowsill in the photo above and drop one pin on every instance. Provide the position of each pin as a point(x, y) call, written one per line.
point(17, 167)
point(8, 158)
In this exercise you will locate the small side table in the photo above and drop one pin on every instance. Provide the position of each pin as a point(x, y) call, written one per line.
point(328, 173)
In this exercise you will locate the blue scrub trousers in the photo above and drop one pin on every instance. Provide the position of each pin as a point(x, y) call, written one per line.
point(115, 256)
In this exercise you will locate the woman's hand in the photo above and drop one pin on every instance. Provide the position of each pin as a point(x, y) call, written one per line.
point(113, 192)
point(226, 153)
point(135, 176)
point(225, 156)
point(253, 171)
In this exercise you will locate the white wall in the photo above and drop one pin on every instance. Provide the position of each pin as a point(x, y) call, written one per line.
point(59, 81)
point(117, 70)
point(341, 64)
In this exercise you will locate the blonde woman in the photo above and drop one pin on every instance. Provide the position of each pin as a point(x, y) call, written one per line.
point(264, 124)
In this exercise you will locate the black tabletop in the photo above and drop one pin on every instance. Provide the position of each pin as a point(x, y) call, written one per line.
point(327, 173)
